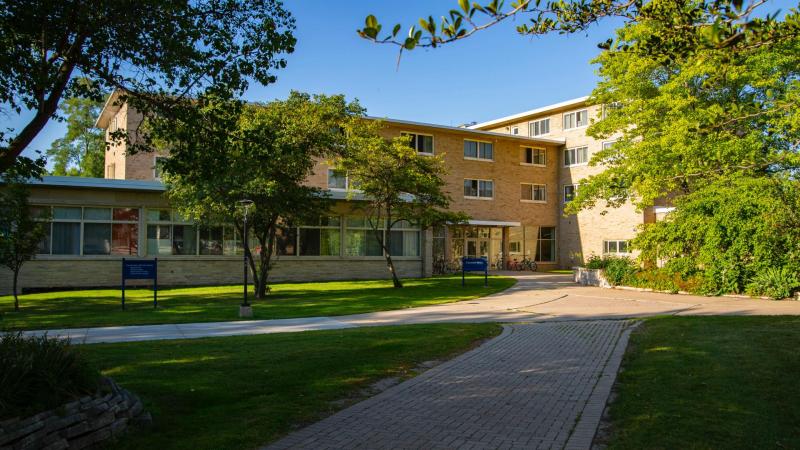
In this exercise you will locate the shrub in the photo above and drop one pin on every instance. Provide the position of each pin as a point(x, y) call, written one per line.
point(595, 262)
point(657, 279)
point(619, 270)
point(773, 282)
point(41, 373)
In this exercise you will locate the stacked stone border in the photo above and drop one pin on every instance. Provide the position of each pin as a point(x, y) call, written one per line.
point(82, 423)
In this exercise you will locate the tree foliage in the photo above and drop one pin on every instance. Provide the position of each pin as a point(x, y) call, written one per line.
point(232, 151)
point(81, 152)
point(20, 232)
point(397, 183)
point(158, 52)
point(689, 25)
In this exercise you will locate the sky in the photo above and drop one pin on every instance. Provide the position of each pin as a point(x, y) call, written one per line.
point(495, 73)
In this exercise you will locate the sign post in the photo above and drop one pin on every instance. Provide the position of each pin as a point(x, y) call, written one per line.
point(474, 265)
point(140, 269)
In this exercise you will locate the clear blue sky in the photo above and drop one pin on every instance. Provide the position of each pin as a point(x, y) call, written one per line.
point(492, 74)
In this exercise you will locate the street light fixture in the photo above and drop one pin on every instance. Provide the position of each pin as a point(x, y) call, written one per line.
point(245, 310)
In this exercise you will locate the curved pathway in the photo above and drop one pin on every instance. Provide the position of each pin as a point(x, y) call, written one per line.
point(536, 297)
point(535, 386)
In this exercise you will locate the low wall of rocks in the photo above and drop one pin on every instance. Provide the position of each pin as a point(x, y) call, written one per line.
point(590, 277)
point(78, 424)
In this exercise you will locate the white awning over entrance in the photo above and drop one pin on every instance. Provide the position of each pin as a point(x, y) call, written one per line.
point(493, 223)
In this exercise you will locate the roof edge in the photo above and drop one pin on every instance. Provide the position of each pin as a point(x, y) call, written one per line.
point(531, 112)
point(471, 131)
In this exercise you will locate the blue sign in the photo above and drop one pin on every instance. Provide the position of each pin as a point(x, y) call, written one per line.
point(475, 265)
point(140, 269)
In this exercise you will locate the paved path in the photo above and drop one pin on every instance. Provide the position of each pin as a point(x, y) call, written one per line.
point(536, 297)
point(538, 385)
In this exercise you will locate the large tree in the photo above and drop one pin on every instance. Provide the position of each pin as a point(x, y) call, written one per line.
point(158, 52)
point(81, 151)
point(397, 185)
point(258, 152)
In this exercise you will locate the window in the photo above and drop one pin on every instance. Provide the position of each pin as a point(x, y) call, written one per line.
point(360, 239)
point(514, 130)
point(111, 171)
point(608, 145)
point(546, 245)
point(337, 179)
point(322, 239)
point(617, 247)
point(576, 156)
point(404, 239)
point(422, 143)
point(158, 167)
point(608, 109)
point(533, 192)
point(576, 119)
point(539, 127)
point(170, 234)
point(91, 231)
point(569, 192)
point(534, 156)
point(478, 150)
point(478, 189)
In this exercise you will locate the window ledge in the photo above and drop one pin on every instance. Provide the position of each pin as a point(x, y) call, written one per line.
point(532, 164)
point(468, 197)
point(425, 153)
point(469, 158)
point(532, 201)
point(575, 165)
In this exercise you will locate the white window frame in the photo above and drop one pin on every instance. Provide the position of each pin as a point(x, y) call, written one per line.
point(155, 166)
point(574, 115)
point(478, 158)
point(346, 181)
point(533, 190)
point(524, 156)
point(515, 130)
point(616, 242)
point(416, 133)
point(532, 124)
point(564, 192)
point(479, 197)
point(574, 151)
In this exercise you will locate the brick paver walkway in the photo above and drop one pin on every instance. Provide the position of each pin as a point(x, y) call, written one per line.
point(540, 385)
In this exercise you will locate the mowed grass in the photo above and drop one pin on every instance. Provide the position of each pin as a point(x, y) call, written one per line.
point(710, 383)
point(243, 392)
point(93, 308)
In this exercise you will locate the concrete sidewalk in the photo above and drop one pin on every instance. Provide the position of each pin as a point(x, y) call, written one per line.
point(535, 298)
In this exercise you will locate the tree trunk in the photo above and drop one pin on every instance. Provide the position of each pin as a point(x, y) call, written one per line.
point(390, 265)
point(386, 244)
point(14, 288)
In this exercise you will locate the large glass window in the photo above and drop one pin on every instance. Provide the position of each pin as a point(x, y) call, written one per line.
point(337, 179)
point(404, 240)
point(211, 240)
point(540, 127)
point(576, 119)
point(534, 156)
point(478, 150)
point(170, 234)
point(91, 231)
point(546, 245)
point(360, 238)
point(576, 156)
point(478, 188)
point(534, 192)
point(321, 240)
point(422, 143)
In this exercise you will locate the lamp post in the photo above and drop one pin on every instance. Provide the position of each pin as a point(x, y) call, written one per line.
point(245, 310)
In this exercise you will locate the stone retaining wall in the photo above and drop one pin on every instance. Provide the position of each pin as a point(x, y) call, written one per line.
point(590, 277)
point(78, 424)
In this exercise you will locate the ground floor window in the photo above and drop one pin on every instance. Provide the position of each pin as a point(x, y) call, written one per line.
point(615, 247)
point(75, 230)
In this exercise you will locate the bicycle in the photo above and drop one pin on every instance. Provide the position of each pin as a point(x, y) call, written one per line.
point(526, 264)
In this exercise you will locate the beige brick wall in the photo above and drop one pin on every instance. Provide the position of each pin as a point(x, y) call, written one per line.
point(582, 234)
point(86, 273)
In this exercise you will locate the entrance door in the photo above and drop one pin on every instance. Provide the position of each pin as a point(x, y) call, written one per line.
point(472, 248)
point(477, 248)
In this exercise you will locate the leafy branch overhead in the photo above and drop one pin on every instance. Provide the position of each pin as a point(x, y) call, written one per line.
point(730, 24)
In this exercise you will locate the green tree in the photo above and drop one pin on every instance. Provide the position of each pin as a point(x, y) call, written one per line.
point(397, 184)
point(688, 25)
point(81, 152)
point(159, 53)
point(260, 152)
point(20, 233)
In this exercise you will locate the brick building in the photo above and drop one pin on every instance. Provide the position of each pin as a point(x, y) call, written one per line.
point(511, 175)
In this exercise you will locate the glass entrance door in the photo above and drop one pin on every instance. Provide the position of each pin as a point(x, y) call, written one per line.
point(477, 248)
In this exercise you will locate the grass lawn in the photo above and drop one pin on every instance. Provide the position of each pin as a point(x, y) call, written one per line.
point(710, 382)
point(561, 271)
point(94, 308)
point(242, 392)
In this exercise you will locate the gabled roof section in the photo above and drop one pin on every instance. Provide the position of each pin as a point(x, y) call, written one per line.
point(472, 131)
point(110, 109)
point(532, 112)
